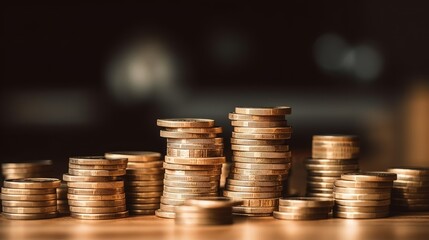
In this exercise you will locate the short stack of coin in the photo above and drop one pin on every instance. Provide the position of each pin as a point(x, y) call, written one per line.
point(363, 195)
point(143, 181)
point(205, 211)
point(62, 202)
point(411, 190)
point(261, 159)
point(304, 208)
point(95, 187)
point(30, 198)
point(332, 155)
point(36, 169)
point(193, 161)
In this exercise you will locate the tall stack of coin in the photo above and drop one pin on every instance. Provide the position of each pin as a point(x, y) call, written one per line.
point(95, 187)
point(30, 198)
point(27, 170)
point(304, 208)
point(363, 195)
point(411, 190)
point(62, 202)
point(143, 181)
point(205, 211)
point(193, 161)
point(332, 155)
point(261, 159)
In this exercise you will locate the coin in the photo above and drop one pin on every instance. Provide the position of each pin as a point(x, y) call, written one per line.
point(338, 138)
point(277, 154)
point(313, 185)
point(247, 117)
point(195, 146)
point(187, 195)
point(341, 208)
point(321, 195)
point(360, 215)
point(260, 148)
point(197, 130)
point(72, 178)
point(152, 164)
point(262, 202)
point(266, 130)
point(243, 209)
point(192, 173)
point(325, 167)
point(259, 124)
point(35, 204)
point(172, 201)
point(142, 211)
point(240, 195)
point(25, 170)
point(30, 197)
point(117, 196)
point(244, 171)
point(29, 216)
point(99, 216)
point(97, 210)
point(195, 161)
point(320, 190)
point(257, 142)
point(143, 194)
point(143, 171)
point(144, 177)
point(262, 160)
point(333, 155)
point(298, 216)
point(190, 190)
point(372, 196)
point(185, 123)
point(253, 183)
point(145, 189)
point(41, 163)
point(263, 111)
point(29, 209)
point(370, 176)
point(413, 177)
point(253, 189)
point(405, 183)
point(142, 200)
point(148, 206)
point(144, 183)
point(355, 184)
point(361, 190)
point(213, 202)
point(256, 166)
point(134, 156)
point(332, 161)
point(97, 160)
point(97, 167)
point(102, 173)
point(190, 167)
point(194, 153)
point(195, 140)
point(257, 177)
point(171, 134)
point(111, 184)
point(95, 191)
point(414, 171)
point(30, 183)
point(305, 210)
point(191, 178)
point(321, 179)
point(24, 191)
point(168, 208)
point(262, 136)
point(309, 202)
point(362, 203)
point(164, 214)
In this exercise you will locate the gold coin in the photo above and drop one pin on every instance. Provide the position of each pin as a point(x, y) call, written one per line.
point(243, 209)
point(261, 160)
point(148, 206)
point(144, 177)
point(213, 202)
point(192, 173)
point(260, 148)
point(190, 167)
point(259, 124)
point(256, 166)
point(299, 216)
point(95, 191)
point(322, 179)
point(320, 190)
point(142, 212)
point(264, 130)
point(263, 111)
point(187, 184)
point(132, 195)
point(97, 160)
point(194, 153)
point(197, 130)
point(152, 164)
point(195, 161)
point(42, 163)
point(253, 189)
point(277, 154)
point(170, 134)
point(96, 203)
point(99, 216)
point(101, 173)
point(25, 175)
point(320, 195)
point(262, 136)
point(117, 196)
point(143, 200)
point(213, 141)
point(256, 142)
point(191, 178)
point(329, 173)
point(32, 183)
point(240, 195)
point(341, 208)
point(246, 117)
point(370, 176)
point(413, 177)
point(134, 156)
point(190, 190)
point(244, 171)
point(359, 215)
point(414, 171)
point(361, 190)
point(362, 203)
point(38, 169)
point(337, 138)
point(143, 183)
point(264, 202)
point(97, 167)
point(253, 183)
point(165, 214)
point(372, 196)
point(19, 203)
point(24, 191)
point(307, 202)
point(32, 197)
point(97, 210)
point(354, 184)
point(111, 184)
point(335, 144)
point(72, 178)
point(405, 183)
point(332, 161)
point(305, 210)
point(29, 216)
point(185, 123)
point(257, 177)
point(195, 146)
point(187, 195)
point(144, 171)
point(166, 207)
point(29, 209)
point(172, 201)
point(145, 189)
point(320, 185)
point(332, 167)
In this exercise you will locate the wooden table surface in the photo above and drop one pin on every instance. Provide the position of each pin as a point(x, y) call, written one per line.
point(405, 227)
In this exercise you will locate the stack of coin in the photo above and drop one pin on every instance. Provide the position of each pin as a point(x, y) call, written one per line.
point(205, 211)
point(304, 208)
point(143, 181)
point(62, 202)
point(411, 190)
point(27, 170)
point(261, 159)
point(332, 155)
point(363, 195)
point(95, 187)
point(30, 198)
point(193, 161)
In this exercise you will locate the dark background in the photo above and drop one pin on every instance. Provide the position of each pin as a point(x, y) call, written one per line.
point(65, 89)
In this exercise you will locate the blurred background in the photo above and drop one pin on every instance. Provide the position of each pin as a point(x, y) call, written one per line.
point(84, 79)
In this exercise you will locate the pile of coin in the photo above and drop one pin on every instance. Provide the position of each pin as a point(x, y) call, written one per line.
point(261, 159)
point(36, 169)
point(205, 211)
point(363, 195)
point(143, 180)
point(30, 198)
point(304, 208)
point(62, 202)
point(193, 161)
point(95, 187)
point(332, 155)
point(411, 189)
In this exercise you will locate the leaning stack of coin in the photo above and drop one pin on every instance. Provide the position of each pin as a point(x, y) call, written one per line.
point(411, 190)
point(261, 159)
point(193, 161)
point(332, 155)
point(205, 211)
point(62, 202)
point(363, 195)
point(27, 170)
point(143, 181)
point(95, 187)
point(30, 198)
point(304, 208)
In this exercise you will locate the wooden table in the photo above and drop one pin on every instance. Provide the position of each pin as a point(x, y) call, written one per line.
point(404, 227)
